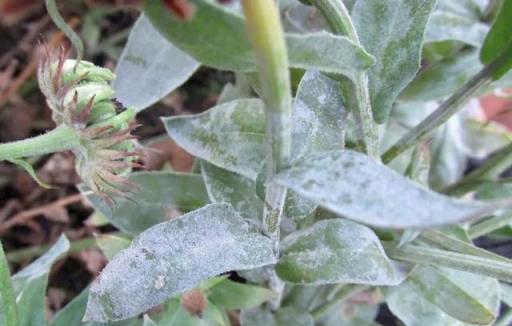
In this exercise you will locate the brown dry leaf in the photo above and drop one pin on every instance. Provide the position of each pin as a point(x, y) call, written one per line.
point(55, 299)
point(93, 259)
point(162, 152)
point(11, 11)
point(57, 214)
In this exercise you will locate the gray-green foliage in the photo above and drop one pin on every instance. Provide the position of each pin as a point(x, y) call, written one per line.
point(355, 233)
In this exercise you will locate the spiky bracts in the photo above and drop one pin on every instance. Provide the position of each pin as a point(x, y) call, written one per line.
point(80, 97)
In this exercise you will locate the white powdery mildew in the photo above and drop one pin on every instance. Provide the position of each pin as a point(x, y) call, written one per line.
point(173, 257)
point(352, 185)
point(336, 251)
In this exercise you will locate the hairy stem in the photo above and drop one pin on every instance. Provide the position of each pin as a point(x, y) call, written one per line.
point(59, 139)
point(355, 91)
point(446, 110)
point(266, 34)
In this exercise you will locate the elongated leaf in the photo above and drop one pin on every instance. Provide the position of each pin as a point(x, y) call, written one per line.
point(392, 31)
point(175, 315)
point(173, 257)
point(446, 26)
point(354, 186)
point(111, 245)
point(217, 37)
point(232, 295)
point(8, 314)
point(336, 251)
point(448, 294)
point(150, 67)
point(283, 317)
point(442, 78)
point(499, 41)
point(160, 196)
point(30, 285)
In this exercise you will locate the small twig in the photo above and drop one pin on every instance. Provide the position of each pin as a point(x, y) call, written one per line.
point(22, 217)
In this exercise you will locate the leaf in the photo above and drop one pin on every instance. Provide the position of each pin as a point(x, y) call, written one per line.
point(150, 67)
point(217, 37)
point(283, 317)
point(148, 321)
point(348, 314)
point(499, 41)
point(230, 135)
point(446, 26)
point(30, 170)
point(160, 196)
point(110, 244)
point(73, 313)
point(352, 185)
point(227, 187)
point(175, 315)
point(336, 251)
point(173, 257)
point(442, 78)
point(8, 315)
point(233, 295)
point(30, 285)
point(463, 296)
point(392, 31)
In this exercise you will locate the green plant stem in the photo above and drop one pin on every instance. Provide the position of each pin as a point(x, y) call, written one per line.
point(266, 35)
point(7, 297)
point(342, 295)
point(21, 255)
point(59, 139)
point(447, 109)
point(491, 169)
point(468, 263)
point(355, 90)
point(490, 225)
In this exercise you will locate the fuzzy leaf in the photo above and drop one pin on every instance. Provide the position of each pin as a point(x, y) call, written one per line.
point(446, 26)
point(353, 185)
point(8, 314)
point(30, 285)
point(173, 257)
point(217, 37)
point(441, 296)
point(499, 41)
point(160, 196)
point(392, 31)
point(111, 245)
point(233, 295)
point(336, 251)
point(150, 67)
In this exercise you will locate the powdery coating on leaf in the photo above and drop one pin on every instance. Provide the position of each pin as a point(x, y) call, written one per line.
point(336, 251)
point(160, 196)
point(150, 67)
point(352, 185)
point(446, 26)
point(230, 135)
point(392, 31)
point(173, 257)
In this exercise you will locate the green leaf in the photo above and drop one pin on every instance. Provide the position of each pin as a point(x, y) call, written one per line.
point(111, 245)
point(392, 31)
point(30, 285)
point(150, 67)
point(353, 185)
point(233, 295)
point(227, 187)
point(8, 315)
point(349, 314)
point(160, 196)
point(173, 257)
point(217, 37)
point(446, 295)
point(148, 321)
point(283, 317)
point(30, 170)
point(499, 41)
point(336, 251)
point(230, 135)
point(440, 79)
point(446, 26)
point(175, 315)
